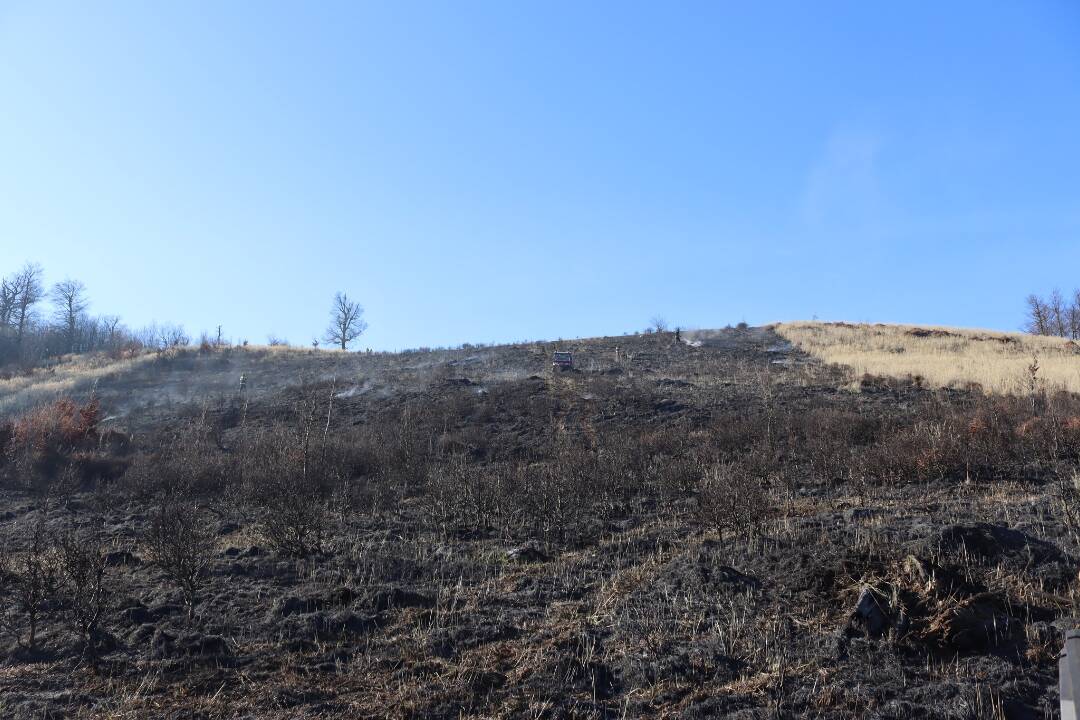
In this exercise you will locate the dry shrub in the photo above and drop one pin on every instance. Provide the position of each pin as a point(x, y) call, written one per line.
point(460, 495)
point(63, 423)
point(32, 573)
point(552, 502)
point(180, 542)
point(186, 463)
point(41, 442)
point(7, 435)
point(404, 448)
point(825, 440)
point(732, 500)
point(84, 587)
point(291, 477)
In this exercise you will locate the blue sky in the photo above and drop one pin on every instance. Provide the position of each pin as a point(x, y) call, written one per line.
point(493, 171)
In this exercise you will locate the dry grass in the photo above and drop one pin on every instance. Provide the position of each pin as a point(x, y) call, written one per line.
point(180, 375)
point(941, 357)
point(71, 374)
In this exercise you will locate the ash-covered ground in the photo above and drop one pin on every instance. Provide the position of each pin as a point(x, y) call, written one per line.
point(719, 527)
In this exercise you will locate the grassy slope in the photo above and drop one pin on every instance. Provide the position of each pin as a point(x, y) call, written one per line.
point(943, 357)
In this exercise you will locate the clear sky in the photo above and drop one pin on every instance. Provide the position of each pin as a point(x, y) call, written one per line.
point(493, 171)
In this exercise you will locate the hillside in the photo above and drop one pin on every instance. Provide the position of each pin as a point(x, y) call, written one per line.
point(728, 526)
point(985, 360)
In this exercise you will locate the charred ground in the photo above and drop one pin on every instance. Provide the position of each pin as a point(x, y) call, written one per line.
point(721, 528)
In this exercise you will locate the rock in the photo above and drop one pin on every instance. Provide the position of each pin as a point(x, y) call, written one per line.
point(236, 568)
point(673, 382)
point(328, 626)
point(448, 642)
point(869, 614)
point(932, 579)
point(189, 645)
point(727, 574)
point(342, 596)
point(137, 614)
point(973, 624)
point(141, 635)
point(668, 405)
point(859, 514)
point(293, 605)
point(120, 557)
point(526, 554)
point(345, 624)
point(398, 598)
point(165, 610)
point(989, 543)
point(287, 697)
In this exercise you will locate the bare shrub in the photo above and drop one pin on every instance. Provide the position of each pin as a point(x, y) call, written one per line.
point(287, 480)
point(39, 443)
point(296, 520)
point(404, 449)
point(469, 496)
point(32, 573)
point(443, 491)
point(730, 500)
point(83, 588)
point(180, 542)
point(187, 462)
point(554, 497)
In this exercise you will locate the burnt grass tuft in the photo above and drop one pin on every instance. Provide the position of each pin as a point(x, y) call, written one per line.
point(721, 530)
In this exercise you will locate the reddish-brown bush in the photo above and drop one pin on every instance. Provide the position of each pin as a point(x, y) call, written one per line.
point(42, 441)
point(61, 423)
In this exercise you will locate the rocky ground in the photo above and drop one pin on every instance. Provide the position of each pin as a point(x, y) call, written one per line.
point(715, 528)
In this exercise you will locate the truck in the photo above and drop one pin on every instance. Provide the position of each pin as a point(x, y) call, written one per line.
point(562, 360)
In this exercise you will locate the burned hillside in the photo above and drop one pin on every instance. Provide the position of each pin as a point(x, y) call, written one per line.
point(722, 526)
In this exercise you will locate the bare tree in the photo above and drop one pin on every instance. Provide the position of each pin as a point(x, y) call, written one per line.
point(1053, 315)
point(346, 321)
point(84, 587)
point(7, 303)
point(732, 499)
point(180, 541)
point(1074, 316)
point(1056, 307)
point(659, 323)
point(164, 337)
point(28, 292)
point(1038, 316)
point(27, 340)
point(35, 577)
point(110, 330)
point(70, 299)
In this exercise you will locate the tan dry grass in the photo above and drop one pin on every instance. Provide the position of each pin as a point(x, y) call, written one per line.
point(209, 372)
point(942, 357)
point(72, 373)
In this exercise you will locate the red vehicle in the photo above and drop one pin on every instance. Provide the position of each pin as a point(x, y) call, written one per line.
point(562, 360)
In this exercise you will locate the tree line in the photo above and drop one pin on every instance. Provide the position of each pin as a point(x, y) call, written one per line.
point(40, 322)
point(1054, 315)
